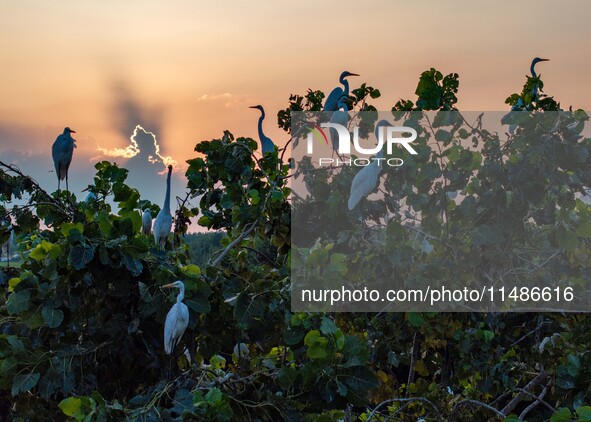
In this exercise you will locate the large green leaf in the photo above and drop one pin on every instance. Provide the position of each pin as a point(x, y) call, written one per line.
point(52, 317)
point(80, 255)
point(24, 382)
point(18, 302)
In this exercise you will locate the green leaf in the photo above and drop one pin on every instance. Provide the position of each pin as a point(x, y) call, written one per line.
point(134, 265)
point(72, 406)
point(342, 389)
point(15, 343)
point(22, 383)
point(584, 413)
point(416, 320)
point(69, 229)
point(80, 255)
point(254, 196)
point(567, 239)
point(317, 345)
point(18, 302)
point(584, 229)
point(52, 317)
point(191, 271)
point(12, 283)
point(328, 326)
point(561, 415)
point(214, 395)
point(8, 365)
point(217, 362)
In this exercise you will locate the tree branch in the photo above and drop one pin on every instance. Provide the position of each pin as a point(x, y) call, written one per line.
point(538, 400)
point(239, 239)
point(525, 391)
point(407, 401)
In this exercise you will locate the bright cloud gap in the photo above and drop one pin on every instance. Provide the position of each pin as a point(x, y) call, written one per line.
point(134, 149)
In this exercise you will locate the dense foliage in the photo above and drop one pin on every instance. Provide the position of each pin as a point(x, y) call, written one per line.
point(83, 317)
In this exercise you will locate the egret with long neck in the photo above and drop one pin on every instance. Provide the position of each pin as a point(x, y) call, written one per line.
point(163, 222)
point(267, 144)
point(332, 101)
point(534, 74)
point(176, 320)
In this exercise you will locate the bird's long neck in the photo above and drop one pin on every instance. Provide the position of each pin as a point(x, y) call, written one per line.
point(345, 85)
point(261, 134)
point(181, 294)
point(532, 70)
point(166, 206)
point(380, 153)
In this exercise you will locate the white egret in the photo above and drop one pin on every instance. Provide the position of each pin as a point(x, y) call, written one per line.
point(366, 180)
point(267, 144)
point(163, 222)
point(146, 222)
point(176, 320)
point(61, 152)
point(332, 101)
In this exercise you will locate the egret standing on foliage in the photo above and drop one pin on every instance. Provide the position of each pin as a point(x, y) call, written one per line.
point(62, 151)
point(332, 101)
point(534, 74)
point(267, 144)
point(366, 180)
point(163, 222)
point(146, 222)
point(176, 320)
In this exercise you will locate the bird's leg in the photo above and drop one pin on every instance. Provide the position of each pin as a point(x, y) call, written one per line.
point(67, 187)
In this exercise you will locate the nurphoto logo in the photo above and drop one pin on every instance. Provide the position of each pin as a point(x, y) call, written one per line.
point(387, 136)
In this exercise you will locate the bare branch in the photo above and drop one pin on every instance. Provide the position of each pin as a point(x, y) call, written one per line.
point(538, 400)
point(471, 402)
point(525, 391)
point(404, 400)
point(248, 229)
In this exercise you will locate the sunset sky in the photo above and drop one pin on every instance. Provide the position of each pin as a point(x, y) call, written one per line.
point(187, 70)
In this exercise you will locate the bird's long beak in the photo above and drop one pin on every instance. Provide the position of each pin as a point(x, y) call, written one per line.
point(544, 60)
point(353, 74)
point(168, 286)
point(252, 107)
point(72, 131)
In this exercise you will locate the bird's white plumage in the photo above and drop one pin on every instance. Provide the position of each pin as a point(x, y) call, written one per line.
point(366, 180)
point(175, 326)
point(177, 320)
point(162, 227)
point(363, 184)
point(146, 222)
point(163, 222)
